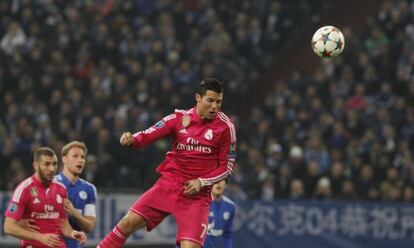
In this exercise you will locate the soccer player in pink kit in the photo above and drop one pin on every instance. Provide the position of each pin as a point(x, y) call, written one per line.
point(39, 201)
point(203, 152)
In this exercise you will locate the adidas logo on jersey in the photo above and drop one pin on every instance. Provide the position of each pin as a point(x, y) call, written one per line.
point(183, 130)
point(36, 201)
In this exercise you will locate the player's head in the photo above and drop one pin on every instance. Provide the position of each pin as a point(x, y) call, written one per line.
point(209, 98)
point(74, 157)
point(45, 164)
point(219, 188)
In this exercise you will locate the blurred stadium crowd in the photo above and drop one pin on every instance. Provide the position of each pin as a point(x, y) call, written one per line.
point(90, 70)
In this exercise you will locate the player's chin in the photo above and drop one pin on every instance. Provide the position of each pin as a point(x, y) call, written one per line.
point(78, 173)
point(49, 178)
point(78, 170)
point(211, 116)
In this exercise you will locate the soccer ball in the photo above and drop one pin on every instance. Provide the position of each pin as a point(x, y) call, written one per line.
point(328, 41)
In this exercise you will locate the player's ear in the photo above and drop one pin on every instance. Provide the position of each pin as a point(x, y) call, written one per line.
point(64, 159)
point(198, 97)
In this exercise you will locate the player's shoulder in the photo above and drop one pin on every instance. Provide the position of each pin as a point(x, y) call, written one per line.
point(87, 185)
point(59, 184)
point(225, 120)
point(228, 201)
point(227, 124)
point(21, 189)
point(181, 112)
point(170, 117)
point(24, 185)
point(224, 116)
point(58, 178)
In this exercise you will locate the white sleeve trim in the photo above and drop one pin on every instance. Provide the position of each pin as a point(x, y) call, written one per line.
point(90, 210)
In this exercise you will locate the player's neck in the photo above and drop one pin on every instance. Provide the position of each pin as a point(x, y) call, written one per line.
point(72, 178)
point(198, 113)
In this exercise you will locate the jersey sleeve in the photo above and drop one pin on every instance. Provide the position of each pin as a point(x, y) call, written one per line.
point(90, 206)
point(64, 193)
point(161, 129)
point(226, 156)
point(17, 204)
point(228, 230)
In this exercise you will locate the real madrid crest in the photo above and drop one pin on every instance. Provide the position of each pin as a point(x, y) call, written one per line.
point(33, 191)
point(209, 134)
point(185, 121)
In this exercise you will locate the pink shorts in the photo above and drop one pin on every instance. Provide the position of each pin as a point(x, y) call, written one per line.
point(166, 197)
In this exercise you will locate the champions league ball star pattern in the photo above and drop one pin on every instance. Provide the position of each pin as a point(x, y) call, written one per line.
point(328, 41)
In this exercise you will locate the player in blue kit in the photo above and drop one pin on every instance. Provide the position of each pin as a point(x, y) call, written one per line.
point(220, 220)
point(81, 194)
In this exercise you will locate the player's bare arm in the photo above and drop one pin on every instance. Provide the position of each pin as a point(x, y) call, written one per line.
point(192, 187)
point(86, 223)
point(127, 139)
point(12, 227)
point(28, 224)
point(70, 233)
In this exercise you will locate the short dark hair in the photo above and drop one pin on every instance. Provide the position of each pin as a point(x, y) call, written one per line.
point(43, 151)
point(210, 84)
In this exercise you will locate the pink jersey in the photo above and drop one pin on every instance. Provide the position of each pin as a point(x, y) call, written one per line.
point(204, 149)
point(32, 200)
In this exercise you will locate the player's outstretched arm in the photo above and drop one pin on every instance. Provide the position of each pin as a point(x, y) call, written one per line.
point(12, 227)
point(67, 231)
point(86, 223)
point(159, 130)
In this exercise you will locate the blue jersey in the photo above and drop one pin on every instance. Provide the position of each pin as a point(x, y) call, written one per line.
point(220, 224)
point(83, 196)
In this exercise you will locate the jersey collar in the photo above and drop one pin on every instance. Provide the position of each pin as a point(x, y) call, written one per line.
point(197, 117)
point(65, 180)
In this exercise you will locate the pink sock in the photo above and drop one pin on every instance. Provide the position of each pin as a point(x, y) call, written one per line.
point(114, 239)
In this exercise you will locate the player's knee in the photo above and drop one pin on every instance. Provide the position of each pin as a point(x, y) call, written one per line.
point(126, 225)
point(130, 223)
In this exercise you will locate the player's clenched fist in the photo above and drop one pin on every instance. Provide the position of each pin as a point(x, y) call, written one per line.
point(79, 236)
point(127, 139)
point(192, 187)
